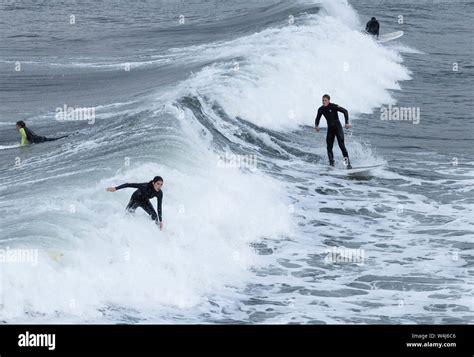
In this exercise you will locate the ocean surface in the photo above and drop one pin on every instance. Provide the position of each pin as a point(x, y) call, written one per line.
point(219, 98)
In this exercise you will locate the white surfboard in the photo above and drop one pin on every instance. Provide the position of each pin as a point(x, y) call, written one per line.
point(355, 171)
point(363, 170)
point(390, 36)
point(5, 147)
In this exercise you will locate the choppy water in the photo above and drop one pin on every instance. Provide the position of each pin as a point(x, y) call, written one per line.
point(289, 242)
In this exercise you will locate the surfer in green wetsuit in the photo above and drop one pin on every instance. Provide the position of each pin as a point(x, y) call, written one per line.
point(29, 137)
point(21, 129)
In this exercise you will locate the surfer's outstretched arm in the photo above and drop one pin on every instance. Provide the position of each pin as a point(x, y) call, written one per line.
point(129, 185)
point(125, 185)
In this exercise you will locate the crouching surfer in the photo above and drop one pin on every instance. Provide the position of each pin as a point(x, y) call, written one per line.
point(141, 197)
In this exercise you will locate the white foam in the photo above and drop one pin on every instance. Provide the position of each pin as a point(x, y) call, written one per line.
point(210, 215)
point(283, 73)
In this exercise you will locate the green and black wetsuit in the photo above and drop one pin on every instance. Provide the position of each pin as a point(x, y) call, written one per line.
point(29, 137)
point(24, 137)
point(141, 198)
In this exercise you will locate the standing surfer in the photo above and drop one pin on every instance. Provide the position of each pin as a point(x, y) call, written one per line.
point(141, 197)
point(329, 110)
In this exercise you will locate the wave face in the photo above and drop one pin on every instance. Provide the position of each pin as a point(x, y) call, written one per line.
point(219, 98)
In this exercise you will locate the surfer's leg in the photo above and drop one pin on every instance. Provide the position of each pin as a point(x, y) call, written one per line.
point(40, 139)
point(342, 146)
point(148, 208)
point(132, 205)
point(330, 143)
point(340, 141)
point(54, 139)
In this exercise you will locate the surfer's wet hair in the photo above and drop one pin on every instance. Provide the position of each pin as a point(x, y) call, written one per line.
point(21, 123)
point(327, 97)
point(157, 178)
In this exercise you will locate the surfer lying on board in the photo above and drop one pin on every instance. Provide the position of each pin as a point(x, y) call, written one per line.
point(29, 137)
point(141, 197)
point(329, 110)
point(373, 27)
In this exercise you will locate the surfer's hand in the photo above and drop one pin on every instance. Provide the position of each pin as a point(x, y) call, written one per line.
point(347, 126)
point(318, 129)
point(111, 189)
point(161, 226)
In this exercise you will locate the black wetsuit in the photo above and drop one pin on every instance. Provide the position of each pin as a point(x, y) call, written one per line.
point(36, 139)
point(334, 128)
point(141, 198)
point(372, 27)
